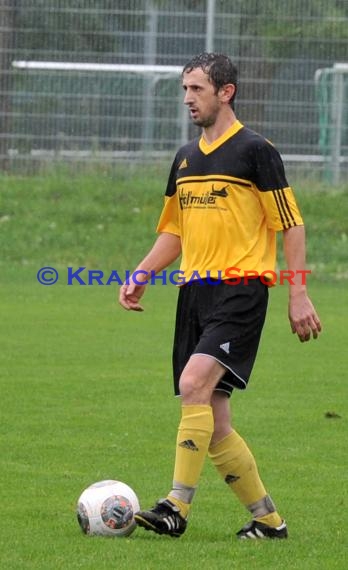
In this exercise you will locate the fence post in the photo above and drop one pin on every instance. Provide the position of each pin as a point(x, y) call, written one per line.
point(336, 129)
point(150, 81)
point(210, 27)
point(7, 24)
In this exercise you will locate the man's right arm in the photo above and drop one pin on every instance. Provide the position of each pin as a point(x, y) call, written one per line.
point(165, 250)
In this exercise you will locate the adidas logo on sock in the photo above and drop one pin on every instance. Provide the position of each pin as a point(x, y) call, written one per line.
point(189, 444)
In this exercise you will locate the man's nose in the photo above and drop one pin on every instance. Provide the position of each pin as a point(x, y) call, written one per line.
point(188, 97)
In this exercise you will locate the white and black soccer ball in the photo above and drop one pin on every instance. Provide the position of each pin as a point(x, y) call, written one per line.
point(107, 508)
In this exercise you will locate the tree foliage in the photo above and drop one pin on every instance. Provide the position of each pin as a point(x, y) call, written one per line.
point(288, 29)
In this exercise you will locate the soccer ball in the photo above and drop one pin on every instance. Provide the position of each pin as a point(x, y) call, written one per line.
point(107, 508)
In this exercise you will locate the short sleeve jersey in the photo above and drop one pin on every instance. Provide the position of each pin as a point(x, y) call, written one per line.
point(226, 201)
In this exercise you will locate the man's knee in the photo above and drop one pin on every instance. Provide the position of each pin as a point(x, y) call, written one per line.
point(199, 379)
point(194, 390)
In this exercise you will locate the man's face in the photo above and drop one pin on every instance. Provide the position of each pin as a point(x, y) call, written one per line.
point(200, 97)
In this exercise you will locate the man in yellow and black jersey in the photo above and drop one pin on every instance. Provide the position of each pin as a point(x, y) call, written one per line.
point(227, 196)
point(226, 200)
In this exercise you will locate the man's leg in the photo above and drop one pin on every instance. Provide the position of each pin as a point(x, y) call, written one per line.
point(236, 464)
point(196, 427)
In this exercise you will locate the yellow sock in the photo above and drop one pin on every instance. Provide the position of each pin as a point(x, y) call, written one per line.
point(194, 435)
point(236, 464)
point(272, 519)
point(184, 507)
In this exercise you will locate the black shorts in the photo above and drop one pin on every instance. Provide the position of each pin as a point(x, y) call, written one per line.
point(223, 321)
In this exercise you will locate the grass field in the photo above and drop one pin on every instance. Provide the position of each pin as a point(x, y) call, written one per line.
point(86, 390)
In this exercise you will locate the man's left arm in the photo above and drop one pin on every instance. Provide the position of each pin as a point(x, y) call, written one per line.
point(303, 318)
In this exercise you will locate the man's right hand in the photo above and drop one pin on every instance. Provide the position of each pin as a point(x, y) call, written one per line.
point(129, 296)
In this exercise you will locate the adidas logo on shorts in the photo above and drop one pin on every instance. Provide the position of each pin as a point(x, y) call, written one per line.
point(225, 347)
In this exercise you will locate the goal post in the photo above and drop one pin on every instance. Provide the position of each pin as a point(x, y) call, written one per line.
point(152, 75)
point(168, 70)
point(127, 117)
point(331, 85)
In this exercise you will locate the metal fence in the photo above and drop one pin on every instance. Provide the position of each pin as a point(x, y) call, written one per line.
point(50, 115)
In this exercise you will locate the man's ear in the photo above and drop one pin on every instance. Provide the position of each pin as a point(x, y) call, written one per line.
point(226, 92)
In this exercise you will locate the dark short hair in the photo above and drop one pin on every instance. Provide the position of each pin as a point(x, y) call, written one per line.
point(218, 67)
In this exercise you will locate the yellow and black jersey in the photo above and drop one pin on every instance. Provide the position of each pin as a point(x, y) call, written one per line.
point(226, 200)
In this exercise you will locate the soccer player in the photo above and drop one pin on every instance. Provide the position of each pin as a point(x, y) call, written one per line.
point(227, 196)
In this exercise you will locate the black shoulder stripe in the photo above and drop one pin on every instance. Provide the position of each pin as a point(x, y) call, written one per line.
point(276, 199)
point(286, 207)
